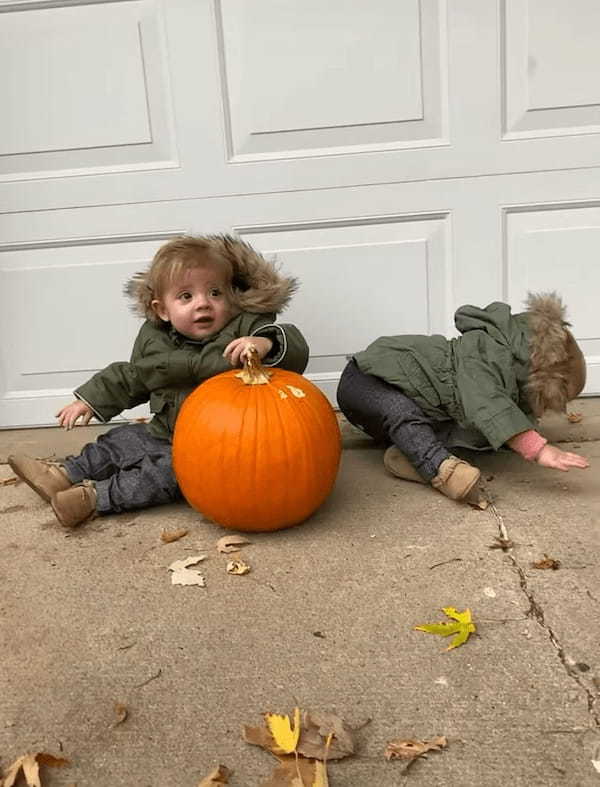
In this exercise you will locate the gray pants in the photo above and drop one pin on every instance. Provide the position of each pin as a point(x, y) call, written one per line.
point(386, 414)
point(131, 469)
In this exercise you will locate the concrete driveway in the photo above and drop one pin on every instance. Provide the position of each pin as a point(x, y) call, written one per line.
point(323, 621)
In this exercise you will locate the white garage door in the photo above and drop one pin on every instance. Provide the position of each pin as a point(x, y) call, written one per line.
point(401, 158)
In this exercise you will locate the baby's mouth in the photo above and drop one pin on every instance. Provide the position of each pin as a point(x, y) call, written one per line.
point(203, 320)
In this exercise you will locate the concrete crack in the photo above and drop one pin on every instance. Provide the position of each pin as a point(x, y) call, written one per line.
point(536, 612)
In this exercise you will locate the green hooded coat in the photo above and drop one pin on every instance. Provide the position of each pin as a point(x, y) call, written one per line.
point(494, 380)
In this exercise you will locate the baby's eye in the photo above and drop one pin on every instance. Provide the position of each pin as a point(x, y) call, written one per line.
point(215, 292)
point(184, 296)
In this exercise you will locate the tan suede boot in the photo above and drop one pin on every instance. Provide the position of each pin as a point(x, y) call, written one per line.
point(397, 464)
point(76, 505)
point(455, 478)
point(45, 478)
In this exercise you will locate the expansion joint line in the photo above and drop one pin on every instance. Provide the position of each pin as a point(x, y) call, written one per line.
point(535, 612)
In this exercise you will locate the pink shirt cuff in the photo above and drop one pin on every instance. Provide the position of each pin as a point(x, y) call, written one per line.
point(528, 444)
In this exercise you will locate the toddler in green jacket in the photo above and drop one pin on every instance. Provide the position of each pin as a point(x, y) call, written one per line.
point(206, 300)
point(424, 395)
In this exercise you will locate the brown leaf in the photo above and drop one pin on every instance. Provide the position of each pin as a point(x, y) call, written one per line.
point(30, 765)
point(173, 535)
point(286, 773)
point(216, 778)
point(502, 543)
point(259, 736)
point(11, 480)
point(231, 543)
point(411, 749)
point(574, 418)
point(546, 563)
point(316, 727)
point(122, 713)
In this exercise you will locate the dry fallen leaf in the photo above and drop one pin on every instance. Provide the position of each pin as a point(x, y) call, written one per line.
point(7, 481)
point(238, 567)
point(216, 778)
point(410, 749)
point(574, 418)
point(546, 562)
point(317, 727)
point(30, 765)
point(167, 536)
point(182, 575)
point(286, 773)
point(463, 627)
point(231, 543)
point(122, 713)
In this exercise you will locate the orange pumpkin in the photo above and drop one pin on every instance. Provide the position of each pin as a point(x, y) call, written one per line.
point(257, 449)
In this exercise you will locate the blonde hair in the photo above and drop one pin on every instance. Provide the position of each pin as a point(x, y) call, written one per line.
point(175, 258)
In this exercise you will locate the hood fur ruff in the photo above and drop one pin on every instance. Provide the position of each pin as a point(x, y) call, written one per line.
point(257, 285)
point(556, 364)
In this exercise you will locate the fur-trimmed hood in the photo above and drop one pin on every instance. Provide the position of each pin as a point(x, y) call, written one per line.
point(557, 370)
point(257, 285)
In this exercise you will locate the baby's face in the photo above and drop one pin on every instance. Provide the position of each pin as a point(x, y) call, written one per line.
point(196, 305)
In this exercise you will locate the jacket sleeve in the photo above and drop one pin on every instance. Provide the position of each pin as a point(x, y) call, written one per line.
point(116, 388)
point(290, 350)
point(484, 382)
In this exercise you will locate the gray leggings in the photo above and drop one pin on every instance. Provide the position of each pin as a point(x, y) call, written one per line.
point(387, 415)
point(130, 467)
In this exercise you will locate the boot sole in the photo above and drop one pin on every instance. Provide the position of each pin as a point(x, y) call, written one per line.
point(44, 495)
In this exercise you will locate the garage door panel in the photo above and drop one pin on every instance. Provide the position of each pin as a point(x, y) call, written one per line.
point(74, 106)
point(556, 248)
point(552, 62)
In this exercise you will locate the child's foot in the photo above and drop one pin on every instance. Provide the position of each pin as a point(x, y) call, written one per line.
point(455, 478)
point(397, 464)
point(76, 505)
point(44, 478)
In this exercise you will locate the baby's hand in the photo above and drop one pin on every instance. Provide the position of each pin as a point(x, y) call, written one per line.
point(237, 350)
point(68, 416)
point(551, 456)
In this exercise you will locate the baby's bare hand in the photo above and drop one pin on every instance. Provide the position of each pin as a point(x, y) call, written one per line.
point(68, 416)
point(237, 350)
point(553, 457)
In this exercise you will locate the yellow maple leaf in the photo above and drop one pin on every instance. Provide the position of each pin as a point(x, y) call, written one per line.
point(462, 626)
point(285, 736)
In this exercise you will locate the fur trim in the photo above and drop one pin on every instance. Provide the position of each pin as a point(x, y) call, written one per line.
point(257, 285)
point(556, 365)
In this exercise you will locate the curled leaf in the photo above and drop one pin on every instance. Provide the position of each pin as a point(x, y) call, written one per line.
point(574, 418)
point(546, 563)
point(167, 536)
point(238, 567)
point(411, 749)
point(122, 713)
point(231, 543)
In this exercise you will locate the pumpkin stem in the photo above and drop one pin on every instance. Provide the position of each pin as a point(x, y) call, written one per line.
point(253, 372)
